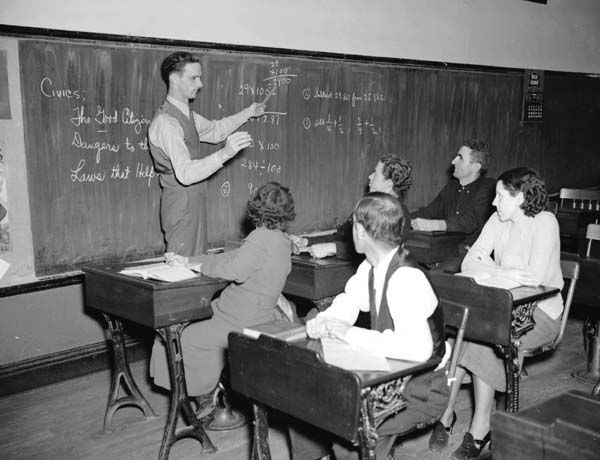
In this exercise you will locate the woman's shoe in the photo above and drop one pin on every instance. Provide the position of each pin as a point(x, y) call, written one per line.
point(206, 404)
point(470, 447)
point(441, 434)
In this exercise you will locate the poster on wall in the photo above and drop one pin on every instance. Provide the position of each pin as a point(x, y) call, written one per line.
point(4, 98)
point(4, 224)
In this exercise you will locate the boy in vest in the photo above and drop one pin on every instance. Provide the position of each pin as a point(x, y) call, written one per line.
point(406, 323)
point(174, 137)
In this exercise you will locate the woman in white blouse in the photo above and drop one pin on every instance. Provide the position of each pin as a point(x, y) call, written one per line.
point(519, 242)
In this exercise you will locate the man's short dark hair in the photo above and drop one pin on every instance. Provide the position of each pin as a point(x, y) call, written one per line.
point(382, 217)
point(398, 170)
point(175, 62)
point(479, 153)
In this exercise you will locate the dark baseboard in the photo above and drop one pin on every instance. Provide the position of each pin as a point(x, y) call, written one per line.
point(56, 367)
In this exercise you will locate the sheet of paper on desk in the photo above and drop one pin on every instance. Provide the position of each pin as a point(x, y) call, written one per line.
point(485, 279)
point(321, 233)
point(346, 356)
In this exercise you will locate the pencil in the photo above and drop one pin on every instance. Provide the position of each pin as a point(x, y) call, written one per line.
point(297, 336)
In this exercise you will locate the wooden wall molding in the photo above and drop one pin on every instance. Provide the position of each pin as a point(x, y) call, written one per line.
point(63, 365)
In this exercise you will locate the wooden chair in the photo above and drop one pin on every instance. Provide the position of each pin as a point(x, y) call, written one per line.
point(580, 198)
point(593, 233)
point(552, 206)
point(570, 271)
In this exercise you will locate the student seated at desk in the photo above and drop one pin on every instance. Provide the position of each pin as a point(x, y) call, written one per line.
point(258, 271)
point(392, 175)
point(463, 205)
point(407, 323)
point(524, 240)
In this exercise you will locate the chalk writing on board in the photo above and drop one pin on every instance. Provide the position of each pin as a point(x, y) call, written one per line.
point(226, 188)
point(48, 90)
point(343, 96)
point(335, 125)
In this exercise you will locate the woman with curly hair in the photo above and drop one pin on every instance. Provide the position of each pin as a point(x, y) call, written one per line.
point(524, 240)
point(257, 271)
point(392, 175)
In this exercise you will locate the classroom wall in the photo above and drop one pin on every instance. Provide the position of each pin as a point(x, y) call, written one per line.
point(563, 35)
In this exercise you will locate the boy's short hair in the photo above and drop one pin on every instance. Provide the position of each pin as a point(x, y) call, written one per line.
point(382, 217)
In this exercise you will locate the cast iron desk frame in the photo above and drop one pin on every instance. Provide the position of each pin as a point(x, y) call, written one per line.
point(283, 376)
point(168, 308)
point(497, 317)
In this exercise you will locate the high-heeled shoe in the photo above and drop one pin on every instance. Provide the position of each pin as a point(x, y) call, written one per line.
point(441, 434)
point(470, 448)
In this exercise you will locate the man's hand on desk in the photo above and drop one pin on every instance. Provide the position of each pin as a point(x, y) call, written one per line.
point(428, 225)
point(320, 250)
point(298, 244)
point(176, 260)
point(327, 327)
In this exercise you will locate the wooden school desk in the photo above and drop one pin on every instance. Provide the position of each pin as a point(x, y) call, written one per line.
point(318, 279)
point(430, 248)
point(498, 317)
point(292, 378)
point(167, 308)
point(564, 427)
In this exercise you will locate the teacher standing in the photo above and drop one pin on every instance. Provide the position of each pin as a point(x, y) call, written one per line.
point(174, 137)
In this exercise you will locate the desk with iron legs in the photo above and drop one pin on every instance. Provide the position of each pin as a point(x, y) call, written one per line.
point(292, 378)
point(167, 308)
point(498, 317)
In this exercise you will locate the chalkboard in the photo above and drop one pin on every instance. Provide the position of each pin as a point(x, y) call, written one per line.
point(93, 193)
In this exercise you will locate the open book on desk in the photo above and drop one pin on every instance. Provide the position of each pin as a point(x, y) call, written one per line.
point(160, 271)
point(346, 356)
point(278, 328)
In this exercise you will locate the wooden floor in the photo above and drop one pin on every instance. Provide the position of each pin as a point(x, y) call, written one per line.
point(64, 421)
